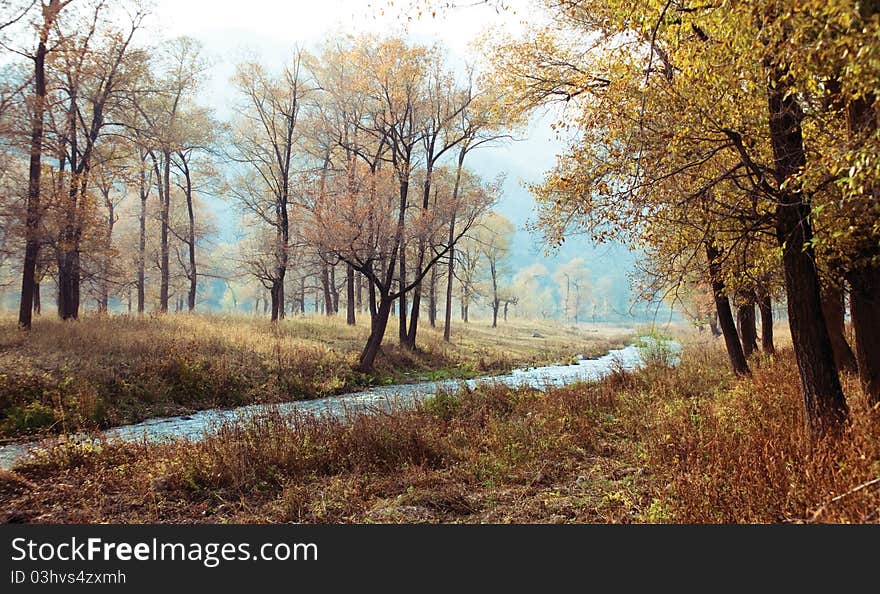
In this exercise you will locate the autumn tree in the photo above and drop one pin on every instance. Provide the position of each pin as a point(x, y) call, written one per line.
point(681, 107)
point(264, 141)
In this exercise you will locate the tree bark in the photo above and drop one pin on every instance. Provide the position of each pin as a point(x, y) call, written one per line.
point(765, 305)
point(865, 313)
point(402, 328)
point(349, 296)
point(713, 325)
point(325, 283)
point(432, 299)
point(33, 207)
point(378, 324)
point(37, 305)
point(191, 238)
point(142, 240)
point(833, 310)
point(165, 196)
point(748, 334)
point(725, 316)
point(823, 396)
point(865, 279)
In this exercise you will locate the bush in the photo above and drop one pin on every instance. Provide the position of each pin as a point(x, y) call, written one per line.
point(29, 418)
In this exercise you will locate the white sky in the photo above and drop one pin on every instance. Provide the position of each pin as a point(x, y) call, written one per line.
point(284, 23)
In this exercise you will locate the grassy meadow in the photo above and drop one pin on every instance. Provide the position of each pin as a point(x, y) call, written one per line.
point(106, 371)
point(660, 444)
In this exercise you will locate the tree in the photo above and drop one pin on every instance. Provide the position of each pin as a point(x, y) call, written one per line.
point(494, 238)
point(715, 124)
point(573, 280)
point(264, 140)
point(178, 74)
point(92, 72)
point(49, 13)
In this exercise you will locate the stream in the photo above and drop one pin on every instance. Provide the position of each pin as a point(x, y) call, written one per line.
point(195, 425)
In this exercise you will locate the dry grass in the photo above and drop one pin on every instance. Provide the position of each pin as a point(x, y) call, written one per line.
point(101, 371)
point(689, 444)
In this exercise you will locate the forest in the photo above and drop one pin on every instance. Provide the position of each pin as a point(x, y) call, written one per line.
point(331, 232)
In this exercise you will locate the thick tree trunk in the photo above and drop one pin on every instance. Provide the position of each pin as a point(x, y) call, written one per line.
point(725, 316)
point(748, 333)
point(823, 396)
point(68, 284)
point(378, 324)
point(302, 295)
point(833, 310)
point(68, 259)
point(33, 207)
point(276, 294)
point(349, 296)
point(765, 305)
point(865, 280)
point(865, 313)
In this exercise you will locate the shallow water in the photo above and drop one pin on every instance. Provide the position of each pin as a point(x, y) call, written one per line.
point(198, 424)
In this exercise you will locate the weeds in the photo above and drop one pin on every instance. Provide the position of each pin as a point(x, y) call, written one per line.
point(106, 371)
point(689, 443)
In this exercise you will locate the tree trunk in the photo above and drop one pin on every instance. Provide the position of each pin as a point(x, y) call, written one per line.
point(372, 298)
point(302, 295)
point(450, 271)
point(349, 296)
point(865, 280)
point(34, 208)
point(432, 299)
point(142, 242)
point(725, 316)
point(865, 313)
point(765, 305)
point(402, 328)
point(823, 396)
point(277, 296)
point(165, 195)
point(833, 310)
point(713, 324)
point(333, 291)
point(378, 324)
point(38, 308)
point(68, 259)
point(748, 334)
point(325, 283)
point(191, 240)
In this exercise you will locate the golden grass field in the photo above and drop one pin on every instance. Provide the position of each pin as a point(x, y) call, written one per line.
point(104, 371)
point(660, 444)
